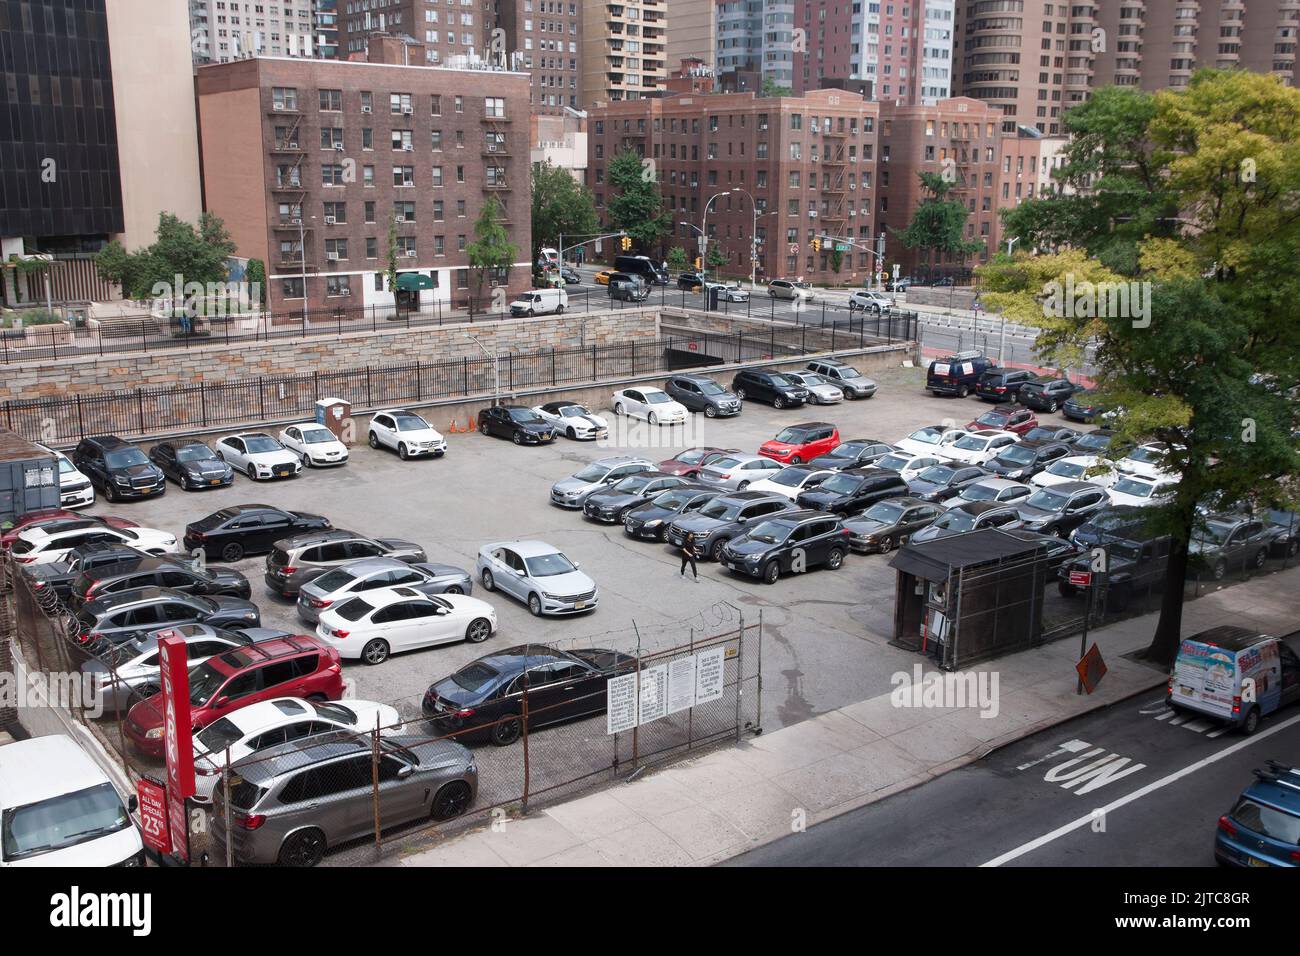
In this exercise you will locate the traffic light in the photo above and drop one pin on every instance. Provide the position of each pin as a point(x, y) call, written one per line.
point(699, 263)
point(817, 244)
point(625, 243)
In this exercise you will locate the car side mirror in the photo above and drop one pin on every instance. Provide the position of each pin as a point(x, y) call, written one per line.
point(132, 803)
point(220, 702)
point(442, 612)
point(519, 571)
point(405, 771)
point(576, 565)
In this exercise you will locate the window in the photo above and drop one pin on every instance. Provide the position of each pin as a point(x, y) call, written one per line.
point(284, 98)
point(494, 107)
point(403, 175)
point(399, 103)
point(331, 100)
point(437, 175)
point(338, 285)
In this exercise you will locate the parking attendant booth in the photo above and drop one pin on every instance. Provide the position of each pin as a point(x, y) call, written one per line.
point(336, 415)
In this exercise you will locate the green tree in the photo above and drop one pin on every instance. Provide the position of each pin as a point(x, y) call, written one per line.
point(678, 260)
point(491, 251)
point(1209, 359)
point(179, 249)
point(562, 206)
point(256, 275)
point(771, 88)
point(390, 255)
point(939, 223)
point(717, 257)
point(837, 260)
point(636, 205)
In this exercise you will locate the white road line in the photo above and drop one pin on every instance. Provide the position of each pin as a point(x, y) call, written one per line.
point(1196, 726)
point(1089, 817)
point(1179, 720)
point(1165, 716)
point(1217, 733)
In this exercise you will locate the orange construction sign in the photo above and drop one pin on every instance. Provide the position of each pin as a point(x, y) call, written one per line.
point(1091, 669)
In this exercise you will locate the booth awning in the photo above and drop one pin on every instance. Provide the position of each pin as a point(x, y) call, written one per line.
point(935, 560)
point(414, 281)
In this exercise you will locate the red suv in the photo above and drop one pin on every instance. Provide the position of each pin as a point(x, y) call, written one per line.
point(689, 462)
point(295, 666)
point(1009, 418)
point(800, 443)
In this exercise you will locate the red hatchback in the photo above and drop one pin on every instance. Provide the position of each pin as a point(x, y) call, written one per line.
point(48, 516)
point(689, 462)
point(1009, 418)
point(800, 443)
point(296, 666)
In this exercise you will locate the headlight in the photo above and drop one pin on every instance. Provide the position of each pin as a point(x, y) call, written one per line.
point(249, 615)
point(153, 733)
point(121, 480)
point(655, 523)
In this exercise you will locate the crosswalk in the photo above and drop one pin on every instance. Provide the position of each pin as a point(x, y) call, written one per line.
point(1197, 725)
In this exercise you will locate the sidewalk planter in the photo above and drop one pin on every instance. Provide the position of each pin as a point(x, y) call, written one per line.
point(51, 333)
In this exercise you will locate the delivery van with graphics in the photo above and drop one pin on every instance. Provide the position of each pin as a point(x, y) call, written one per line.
point(1234, 675)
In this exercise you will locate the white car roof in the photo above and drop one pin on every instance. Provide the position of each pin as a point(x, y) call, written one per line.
point(41, 768)
point(268, 713)
point(525, 549)
point(382, 597)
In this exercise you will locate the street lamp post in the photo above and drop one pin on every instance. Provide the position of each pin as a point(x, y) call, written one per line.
point(704, 230)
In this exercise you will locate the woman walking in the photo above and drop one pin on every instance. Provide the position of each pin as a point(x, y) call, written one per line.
point(689, 554)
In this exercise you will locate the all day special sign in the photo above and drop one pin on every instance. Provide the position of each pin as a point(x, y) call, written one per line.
point(173, 668)
point(154, 827)
point(632, 700)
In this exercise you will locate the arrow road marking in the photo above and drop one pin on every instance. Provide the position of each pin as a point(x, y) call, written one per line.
point(1069, 747)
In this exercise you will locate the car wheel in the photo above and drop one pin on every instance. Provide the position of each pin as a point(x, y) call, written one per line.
point(375, 652)
point(715, 551)
point(771, 572)
point(742, 486)
point(1260, 557)
point(453, 589)
point(886, 545)
point(305, 460)
point(482, 427)
point(618, 408)
point(835, 559)
point(1251, 723)
point(710, 411)
point(452, 800)
point(740, 394)
point(1055, 532)
point(373, 440)
point(402, 453)
point(1220, 569)
point(110, 492)
point(559, 310)
point(506, 731)
point(1052, 406)
point(250, 471)
point(516, 439)
point(1293, 547)
point(778, 402)
point(571, 433)
point(489, 582)
point(535, 605)
point(232, 552)
point(963, 392)
point(479, 630)
point(303, 849)
point(796, 460)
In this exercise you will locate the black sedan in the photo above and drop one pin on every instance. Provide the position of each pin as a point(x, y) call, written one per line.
point(651, 519)
point(519, 423)
point(570, 275)
point(611, 504)
point(1287, 523)
point(854, 453)
point(192, 465)
point(243, 530)
point(690, 281)
point(1083, 407)
point(487, 695)
point(854, 490)
point(941, 482)
point(889, 523)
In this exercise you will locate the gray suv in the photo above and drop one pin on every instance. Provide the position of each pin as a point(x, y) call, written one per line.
point(369, 574)
point(844, 377)
point(295, 561)
point(571, 492)
point(725, 517)
point(317, 792)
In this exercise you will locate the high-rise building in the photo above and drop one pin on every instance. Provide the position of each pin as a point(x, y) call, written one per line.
point(310, 162)
point(694, 35)
point(543, 37)
point(624, 53)
point(453, 32)
point(225, 30)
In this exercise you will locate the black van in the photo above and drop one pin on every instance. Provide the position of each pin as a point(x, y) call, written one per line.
point(957, 374)
point(641, 266)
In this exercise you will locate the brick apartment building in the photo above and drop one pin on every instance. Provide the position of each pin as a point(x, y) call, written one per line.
point(830, 162)
point(544, 37)
point(306, 162)
point(449, 29)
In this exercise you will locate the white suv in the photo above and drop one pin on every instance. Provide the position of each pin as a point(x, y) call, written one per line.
point(788, 289)
point(406, 433)
point(75, 489)
point(869, 301)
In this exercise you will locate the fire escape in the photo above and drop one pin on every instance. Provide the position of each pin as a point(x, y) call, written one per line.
point(835, 198)
point(288, 155)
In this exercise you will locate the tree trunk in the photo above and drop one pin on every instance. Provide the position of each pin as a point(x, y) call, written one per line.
point(1169, 629)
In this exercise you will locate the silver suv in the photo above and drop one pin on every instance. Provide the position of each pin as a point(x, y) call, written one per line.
point(844, 377)
point(572, 492)
point(295, 561)
point(316, 792)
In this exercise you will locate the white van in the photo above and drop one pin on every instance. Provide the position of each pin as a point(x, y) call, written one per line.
point(540, 302)
point(1234, 674)
point(57, 808)
point(548, 256)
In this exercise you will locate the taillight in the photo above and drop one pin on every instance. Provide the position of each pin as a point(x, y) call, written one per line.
point(1227, 826)
point(465, 712)
point(39, 585)
point(288, 569)
point(250, 821)
point(1236, 705)
point(341, 633)
point(1000, 388)
point(200, 536)
point(317, 602)
point(725, 477)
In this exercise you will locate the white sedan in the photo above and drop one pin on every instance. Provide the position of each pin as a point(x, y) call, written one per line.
point(906, 464)
point(653, 404)
point(267, 723)
point(788, 482)
point(978, 447)
point(314, 444)
point(258, 455)
point(406, 433)
point(1141, 492)
point(1075, 468)
point(1146, 461)
point(41, 545)
point(574, 421)
point(929, 440)
point(373, 625)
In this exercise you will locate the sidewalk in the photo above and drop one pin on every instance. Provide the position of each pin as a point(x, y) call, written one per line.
point(727, 801)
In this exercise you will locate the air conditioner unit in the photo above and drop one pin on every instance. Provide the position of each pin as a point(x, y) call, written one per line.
point(339, 147)
point(329, 220)
point(295, 222)
point(365, 109)
point(345, 291)
point(410, 253)
point(277, 107)
point(812, 213)
point(331, 257)
point(290, 145)
point(408, 148)
point(492, 148)
point(407, 110)
point(399, 219)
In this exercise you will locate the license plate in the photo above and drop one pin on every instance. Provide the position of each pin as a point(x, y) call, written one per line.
point(579, 605)
point(214, 481)
point(1185, 691)
point(1251, 861)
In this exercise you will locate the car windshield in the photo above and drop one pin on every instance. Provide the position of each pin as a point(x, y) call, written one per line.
point(125, 458)
point(1018, 454)
point(893, 462)
point(633, 483)
point(474, 676)
point(673, 499)
point(1124, 549)
point(573, 411)
point(354, 609)
point(66, 467)
point(927, 436)
point(657, 398)
point(778, 379)
point(1133, 487)
point(194, 453)
point(973, 442)
point(1274, 824)
point(710, 387)
point(410, 423)
point(884, 512)
point(592, 473)
point(792, 436)
point(1066, 469)
point(1093, 442)
point(316, 435)
point(850, 449)
point(1036, 433)
point(979, 492)
point(334, 580)
point(811, 378)
point(1147, 455)
point(62, 821)
point(548, 565)
point(525, 415)
point(219, 735)
point(722, 464)
point(205, 680)
point(937, 474)
point(692, 456)
point(720, 510)
point(1214, 532)
point(992, 419)
point(261, 443)
point(790, 477)
point(1048, 500)
point(955, 521)
point(848, 371)
point(770, 532)
point(841, 484)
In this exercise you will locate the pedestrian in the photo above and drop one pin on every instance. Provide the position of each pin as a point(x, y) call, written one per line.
point(186, 324)
point(689, 554)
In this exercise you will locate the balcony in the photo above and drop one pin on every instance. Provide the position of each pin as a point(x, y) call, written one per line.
point(496, 118)
point(287, 185)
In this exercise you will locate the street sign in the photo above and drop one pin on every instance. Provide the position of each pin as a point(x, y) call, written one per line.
point(841, 247)
point(794, 248)
point(1080, 579)
point(1091, 669)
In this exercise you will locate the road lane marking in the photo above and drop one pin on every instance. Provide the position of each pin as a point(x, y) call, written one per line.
point(1150, 788)
point(1197, 726)
point(1165, 716)
point(1217, 733)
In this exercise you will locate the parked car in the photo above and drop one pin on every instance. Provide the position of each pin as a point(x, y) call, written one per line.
point(1136, 562)
point(738, 472)
point(1024, 459)
point(370, 626)
point(650, 519)
point(295, 666)
point(1263, 826)
point(792, 542)
point(930, 440)
point(259, 456)
point(956, 374)
point(75, 489)
point(259, 727)
point(1287, 524)
point(572, 491)
point(192, 465)
point(118, 470)
point(1109, 521)
point(51, 518)
point(689, 462)
point(699, 393)
point(871, 302)
point(177, 573)
point(690, 281)
point(370, 574)
point(61, 810)
point(844, 377)
point(854, 453)
point(59, 575)
point(849, 492)
point(1225, 542)
point(940, 482)
point(125, 614)
point(1083, 407)
point(1235, 675)
point(1051, 433)
point(299, 558)
point(240, 531)
point(540, 302)
point(772, 388)
point(1141, 492)
point(538, 574)
point(315, 445)
point(790, 481)
point(796, 444)
point(977, 447)
point(973, 516)
point(46, 544)
point(723, 518)
point(627, 288)
point(1060, 509)
point(406, 433)
point(820, 391)
point(485, 697)
point(611, 504)
point(889, 523)
point(791, 289)
point(652, 404)
point(519, 423)
point(1057, 550)
point(300, 797)
point(990, 489)
point(1147, 461)
point(1046, 393)
point(1096, 442)
point(1076, 468)
point(1008, 418)
point(573, 420)
point(906, 464)
point(1001, 384)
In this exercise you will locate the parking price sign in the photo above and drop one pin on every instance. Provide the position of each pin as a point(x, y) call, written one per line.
point(1080, 579)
